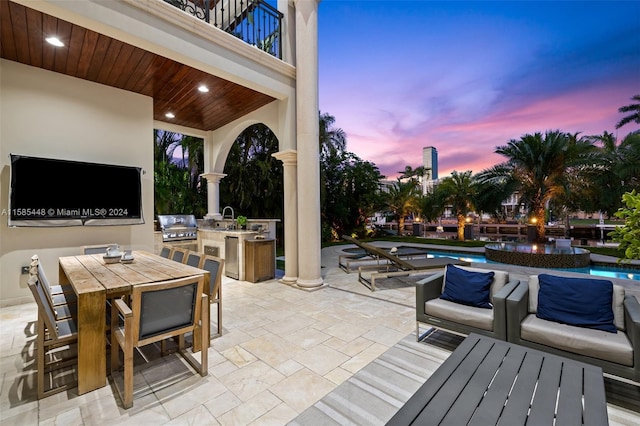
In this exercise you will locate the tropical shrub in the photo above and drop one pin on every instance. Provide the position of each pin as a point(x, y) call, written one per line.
point(629, 235)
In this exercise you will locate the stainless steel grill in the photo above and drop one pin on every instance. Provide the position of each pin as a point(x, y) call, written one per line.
point(178, 227)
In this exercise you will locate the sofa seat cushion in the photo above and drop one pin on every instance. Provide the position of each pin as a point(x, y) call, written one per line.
point(461, 314)
point(613, 347)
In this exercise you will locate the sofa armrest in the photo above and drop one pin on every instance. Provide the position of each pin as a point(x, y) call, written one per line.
point(632, 326)
point(500, 310)
point(517, 305)
point(428, 289)
point(502, 294)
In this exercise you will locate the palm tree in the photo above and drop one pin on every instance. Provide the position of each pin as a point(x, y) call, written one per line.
point(332, 140)
point(489, 198)
point(617, 171)
point(403, 200)
point(409, 172)
point(633, 109)
point(460, 192)
point(538, 167)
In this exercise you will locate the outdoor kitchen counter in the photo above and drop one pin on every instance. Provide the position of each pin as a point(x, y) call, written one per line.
point(212, 241)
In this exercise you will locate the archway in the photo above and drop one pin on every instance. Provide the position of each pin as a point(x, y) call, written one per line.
point(253, 185)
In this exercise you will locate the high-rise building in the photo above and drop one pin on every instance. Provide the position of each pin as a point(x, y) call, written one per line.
point(430, 162)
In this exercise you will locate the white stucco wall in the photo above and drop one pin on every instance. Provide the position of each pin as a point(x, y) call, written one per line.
point(47, 114)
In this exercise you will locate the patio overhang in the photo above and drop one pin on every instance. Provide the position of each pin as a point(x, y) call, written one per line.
point(91, 55)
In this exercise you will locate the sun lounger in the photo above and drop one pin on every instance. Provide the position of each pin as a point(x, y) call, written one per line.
point(349, 261)
point(395, 266)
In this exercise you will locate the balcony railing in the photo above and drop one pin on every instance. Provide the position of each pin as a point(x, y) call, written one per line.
point(253, 21)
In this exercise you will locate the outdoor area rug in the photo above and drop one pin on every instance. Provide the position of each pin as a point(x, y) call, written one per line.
point(374, 394)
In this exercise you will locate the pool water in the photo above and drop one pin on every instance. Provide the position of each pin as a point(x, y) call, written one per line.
point(600, 271)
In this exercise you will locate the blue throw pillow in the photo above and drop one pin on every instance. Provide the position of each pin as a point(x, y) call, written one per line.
point(576, 301)
point(467, 287)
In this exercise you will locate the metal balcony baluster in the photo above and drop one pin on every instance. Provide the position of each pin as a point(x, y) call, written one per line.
point(254, 21)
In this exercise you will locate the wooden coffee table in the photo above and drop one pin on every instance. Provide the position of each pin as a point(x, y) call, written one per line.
point(491, 382)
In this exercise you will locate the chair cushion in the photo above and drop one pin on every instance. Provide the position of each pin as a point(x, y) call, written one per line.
point(500, 278)
point(584, 341)
point(576, 301)
point(617, 304)
point(467, 288)
point(467, 315)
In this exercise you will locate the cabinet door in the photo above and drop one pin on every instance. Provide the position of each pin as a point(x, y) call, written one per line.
point(260, 258)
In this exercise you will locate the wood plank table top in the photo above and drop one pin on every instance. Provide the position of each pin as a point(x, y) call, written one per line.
point(486, 381)
point(94, 281)
point(89, 272)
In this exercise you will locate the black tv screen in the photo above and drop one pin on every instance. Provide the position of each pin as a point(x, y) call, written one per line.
point(52, 192)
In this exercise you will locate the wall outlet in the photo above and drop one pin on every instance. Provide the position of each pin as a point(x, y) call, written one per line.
point(24, 270)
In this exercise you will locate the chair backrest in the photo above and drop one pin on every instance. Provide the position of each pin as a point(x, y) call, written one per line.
point(96, 249)
point(395, 260)
point(165, 309)
point(43, 283)
point(373, 250)
point(165, 252)
point(44, 306)
point(192, 259)
point(178, 254)
point(214, 265)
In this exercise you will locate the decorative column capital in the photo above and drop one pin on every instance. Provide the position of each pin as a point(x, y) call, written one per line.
point(213, 177)
point(289, 157)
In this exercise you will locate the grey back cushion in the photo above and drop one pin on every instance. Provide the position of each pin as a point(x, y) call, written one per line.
point(212, 266)
point(167, 310)
point(193, 259)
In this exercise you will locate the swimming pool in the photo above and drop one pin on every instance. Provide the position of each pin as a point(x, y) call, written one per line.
point(601, 271)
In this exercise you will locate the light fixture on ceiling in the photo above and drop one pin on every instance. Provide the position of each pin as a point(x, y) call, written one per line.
point(203, 88)
point(54, 41)
point(170, 115)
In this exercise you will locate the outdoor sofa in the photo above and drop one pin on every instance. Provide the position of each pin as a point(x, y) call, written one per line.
point(485, 314)
point(589, 320)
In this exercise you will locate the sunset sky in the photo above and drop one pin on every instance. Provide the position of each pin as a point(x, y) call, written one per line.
point(466, 77)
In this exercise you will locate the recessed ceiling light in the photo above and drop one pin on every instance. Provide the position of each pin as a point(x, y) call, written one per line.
point(169, 115)
point(203, 89)
point(54, 41)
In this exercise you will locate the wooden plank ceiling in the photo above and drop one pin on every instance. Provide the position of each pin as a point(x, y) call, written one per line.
point(95, 57)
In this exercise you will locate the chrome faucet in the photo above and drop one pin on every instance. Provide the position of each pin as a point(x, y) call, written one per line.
point(233, 216)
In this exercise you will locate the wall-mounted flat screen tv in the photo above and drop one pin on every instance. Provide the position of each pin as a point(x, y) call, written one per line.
point(52, 192)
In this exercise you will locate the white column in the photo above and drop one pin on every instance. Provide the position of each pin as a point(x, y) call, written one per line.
point(309, 273)
point(289, 162)
point(213, 194)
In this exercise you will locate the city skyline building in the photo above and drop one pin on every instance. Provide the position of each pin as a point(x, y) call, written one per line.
point(430, 164)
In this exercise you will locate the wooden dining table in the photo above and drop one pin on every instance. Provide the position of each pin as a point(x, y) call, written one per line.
point(95, 281)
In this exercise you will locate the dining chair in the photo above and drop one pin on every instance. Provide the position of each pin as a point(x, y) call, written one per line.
point(56, 346)
point(165, 251)
point(214, 265)
point(178, 254)
point(159, 311)
point(192, 259)
point(58, 295)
